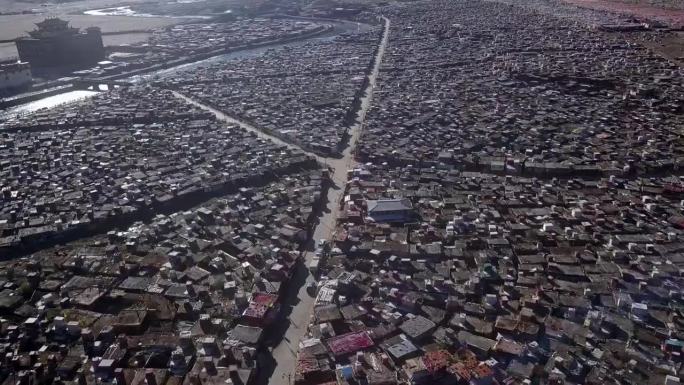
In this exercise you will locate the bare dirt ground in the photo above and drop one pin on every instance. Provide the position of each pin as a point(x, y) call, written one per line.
point(669, 45)
point(14, 23)
point(669, 4)
point(128, 38)
point(671, 16)
point(63, 8)
point(7, 50)
point(13, 26)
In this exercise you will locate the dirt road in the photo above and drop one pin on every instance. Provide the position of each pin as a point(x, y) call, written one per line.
point(298, 307)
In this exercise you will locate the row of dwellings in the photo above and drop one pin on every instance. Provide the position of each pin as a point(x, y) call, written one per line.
point(438, 275)
point(186, 298)
point(119, 157)
point(306, 94)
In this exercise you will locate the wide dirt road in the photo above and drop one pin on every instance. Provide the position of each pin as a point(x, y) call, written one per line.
point(298, 305)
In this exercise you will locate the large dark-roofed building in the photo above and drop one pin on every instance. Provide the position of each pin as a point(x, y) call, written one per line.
point(55, 46)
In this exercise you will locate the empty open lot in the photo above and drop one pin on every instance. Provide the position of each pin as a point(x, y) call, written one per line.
point(673, 17)
point(13, 26)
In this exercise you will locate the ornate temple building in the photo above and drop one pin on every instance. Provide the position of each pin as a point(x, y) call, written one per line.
point(54, 45)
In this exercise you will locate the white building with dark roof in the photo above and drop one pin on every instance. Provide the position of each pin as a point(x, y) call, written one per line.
point(390, 210)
